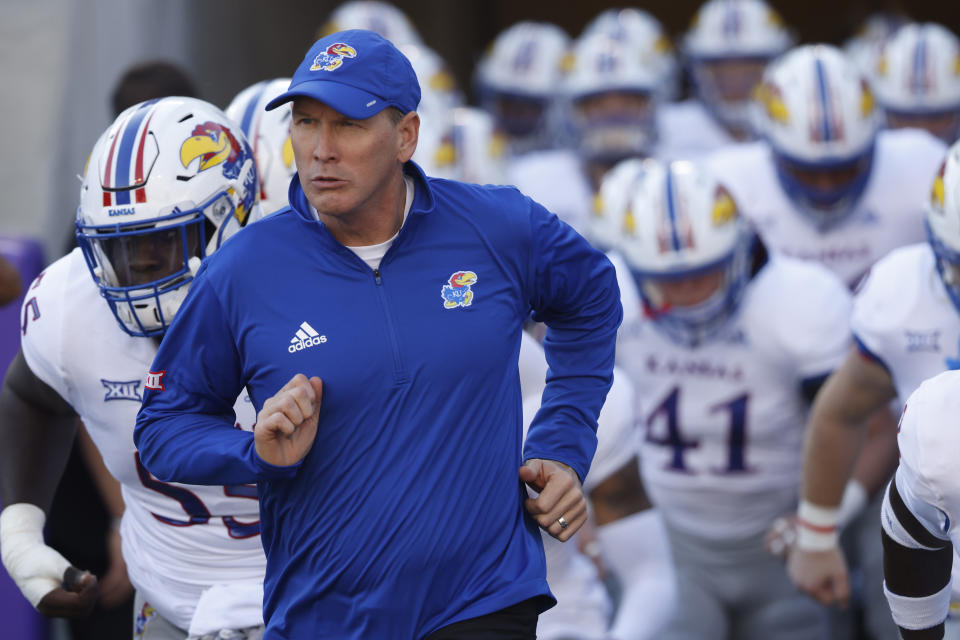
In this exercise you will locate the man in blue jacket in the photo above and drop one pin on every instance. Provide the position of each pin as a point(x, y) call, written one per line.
point(390, 500)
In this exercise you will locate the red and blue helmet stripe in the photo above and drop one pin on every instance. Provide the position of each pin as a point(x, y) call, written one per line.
point(124, 170)
point(827, 129)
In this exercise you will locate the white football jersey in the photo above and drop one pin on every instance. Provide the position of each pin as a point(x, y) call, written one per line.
point(177, 539)
point(903, 316)
point(721, 454)
point(687, 131)
point(928, 479)
point(556, 180)
point(583, 605)
point(888, 215)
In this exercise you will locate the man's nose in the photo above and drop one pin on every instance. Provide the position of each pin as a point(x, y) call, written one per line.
point(326, 147)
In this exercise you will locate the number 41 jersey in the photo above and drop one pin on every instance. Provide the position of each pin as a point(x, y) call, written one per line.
point(178, 539)
point(723, 422)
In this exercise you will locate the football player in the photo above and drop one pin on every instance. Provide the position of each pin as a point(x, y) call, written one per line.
point(456, 142)
point(641, 28)
point(824, 185)
point(622, 516)
point(463, 144)
point(724, 365)
point(269, 135)
point(920, 510)
point(517, 82)
point(612, 103)
point(166, 185)
point(906, 322)
point(916, 78)
point(726, 49)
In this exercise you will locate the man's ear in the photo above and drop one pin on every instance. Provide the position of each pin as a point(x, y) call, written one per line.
point(409, 128)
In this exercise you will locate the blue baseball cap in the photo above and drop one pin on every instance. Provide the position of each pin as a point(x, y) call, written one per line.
point(356, 72)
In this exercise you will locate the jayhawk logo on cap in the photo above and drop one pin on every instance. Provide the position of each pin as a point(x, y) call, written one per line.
point(333, 57)
point(458, 292)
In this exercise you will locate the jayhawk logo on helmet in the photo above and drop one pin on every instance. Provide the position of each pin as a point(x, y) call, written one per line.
point(770, 97)
point(458, 292)
point(333, 57)
point(724, 208)
point(937, 195)
point(213, 145)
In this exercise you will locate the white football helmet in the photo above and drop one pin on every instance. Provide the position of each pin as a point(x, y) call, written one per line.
point(438, 86)
point(683, 231)
point(613, 202)
point(642, 30)
point(269, 134)
point(863, 46)
point(819, 116)
point(463, 144)
point(166, 185)
point(728, 46)
point(518, 80)
point(916, 79)
point(611, 88)
point(373, 15)
point(943, 222)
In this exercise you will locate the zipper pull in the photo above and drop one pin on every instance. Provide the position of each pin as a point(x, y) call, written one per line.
point(376, 276)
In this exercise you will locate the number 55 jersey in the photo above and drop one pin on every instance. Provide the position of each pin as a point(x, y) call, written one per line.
point(723, 421)
point(178, 540)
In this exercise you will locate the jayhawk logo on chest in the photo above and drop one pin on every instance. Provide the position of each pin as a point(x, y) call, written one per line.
point(458, 292)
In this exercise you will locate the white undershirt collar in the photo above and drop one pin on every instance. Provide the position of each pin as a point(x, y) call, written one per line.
point(372, 254)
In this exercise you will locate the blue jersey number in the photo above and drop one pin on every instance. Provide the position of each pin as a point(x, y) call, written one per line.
point(736, 410)
point(194, 508)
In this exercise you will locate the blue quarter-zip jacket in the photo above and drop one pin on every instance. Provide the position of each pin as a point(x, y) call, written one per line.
point(407, 514)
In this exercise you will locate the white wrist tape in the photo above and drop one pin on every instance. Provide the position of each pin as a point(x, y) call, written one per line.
point(918, 613)
point(816, 527)
point(36, 568)
point(854, 500)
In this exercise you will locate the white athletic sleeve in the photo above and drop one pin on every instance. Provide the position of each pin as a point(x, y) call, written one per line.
point(919, 508)
point(928, 478)
point(42, 324)
point(814, 319)
point(874, 318)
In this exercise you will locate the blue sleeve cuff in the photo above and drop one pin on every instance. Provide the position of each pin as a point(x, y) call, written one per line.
point(267, 471)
